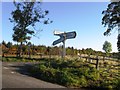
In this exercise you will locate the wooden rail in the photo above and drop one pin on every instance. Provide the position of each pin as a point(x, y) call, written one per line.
point(98, 58)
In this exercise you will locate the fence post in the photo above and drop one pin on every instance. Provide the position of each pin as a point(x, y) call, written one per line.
point(97, 63)
point(90, 60)
point(80, 56)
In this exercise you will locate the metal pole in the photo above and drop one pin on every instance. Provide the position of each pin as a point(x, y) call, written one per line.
point(64, 51)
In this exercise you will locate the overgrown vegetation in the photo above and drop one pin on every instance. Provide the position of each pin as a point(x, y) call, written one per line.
point(11, 49)
point(77, 74)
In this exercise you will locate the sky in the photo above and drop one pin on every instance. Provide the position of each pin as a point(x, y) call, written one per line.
point(83, 17)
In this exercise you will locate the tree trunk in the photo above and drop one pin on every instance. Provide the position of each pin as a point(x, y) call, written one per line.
point(118, 43)
point(19, 51)
point(29, 55)
point(3, 54)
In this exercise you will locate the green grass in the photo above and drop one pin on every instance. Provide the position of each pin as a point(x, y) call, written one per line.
point(74, 73)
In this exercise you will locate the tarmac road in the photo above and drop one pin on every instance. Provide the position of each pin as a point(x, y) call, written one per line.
point(15, 75)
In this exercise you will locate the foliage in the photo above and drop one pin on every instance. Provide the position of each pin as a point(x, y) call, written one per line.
point(9, 45)
point(32, 49)
point(26, 15)
point(4, 48)
point(107, 47)
point(111, 18)
point(118, 43)
point(68, 74)
point(3, 43)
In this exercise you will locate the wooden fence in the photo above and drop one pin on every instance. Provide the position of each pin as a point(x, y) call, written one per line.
point(98, 59)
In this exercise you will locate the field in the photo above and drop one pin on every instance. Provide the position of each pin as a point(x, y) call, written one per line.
point(75, 73)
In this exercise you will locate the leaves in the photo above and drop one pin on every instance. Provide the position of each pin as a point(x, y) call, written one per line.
point(26, 14)
point(107, 47)
point(111, 16)
point(118, 43)
point(111, 19)
point(46, 12)
point(107, 32)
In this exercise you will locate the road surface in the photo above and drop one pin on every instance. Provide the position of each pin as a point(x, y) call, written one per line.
point(15, 75)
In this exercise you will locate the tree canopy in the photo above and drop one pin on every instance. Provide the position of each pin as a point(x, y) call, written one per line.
point(118, 43)
point(111, 17)
point(107, 47)
point(26, 14)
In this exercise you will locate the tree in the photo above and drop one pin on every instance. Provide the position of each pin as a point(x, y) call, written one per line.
point(68, 51)
point(26, 15)
point(24, 49)
point(29, 48)
point(48, 51)
point(111, 19)
point(9, 44)
point(107, 47)
point(89, 51)
point(118, 43)
point(4, 48)
point(4, 43)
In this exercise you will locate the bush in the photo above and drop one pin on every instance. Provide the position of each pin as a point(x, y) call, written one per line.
point(70, 74)
point(105, 64)
point(83, 81)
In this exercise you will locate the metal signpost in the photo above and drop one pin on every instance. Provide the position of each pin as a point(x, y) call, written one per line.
point(63, 37)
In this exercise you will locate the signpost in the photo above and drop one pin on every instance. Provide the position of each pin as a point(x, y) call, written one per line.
point(63, 37)
point(70, 35)
point(59, 40)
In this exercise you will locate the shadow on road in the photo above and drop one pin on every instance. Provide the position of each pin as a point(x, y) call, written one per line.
point(23, 68)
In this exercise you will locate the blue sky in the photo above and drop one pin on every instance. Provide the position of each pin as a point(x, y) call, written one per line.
point(0, 23)
point(83, 17)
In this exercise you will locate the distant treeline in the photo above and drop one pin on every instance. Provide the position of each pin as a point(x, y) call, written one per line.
point(11, 49)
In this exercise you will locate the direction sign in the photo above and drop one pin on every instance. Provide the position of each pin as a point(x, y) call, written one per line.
point(70, 35)
point(63, 37)
point(58, 41)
